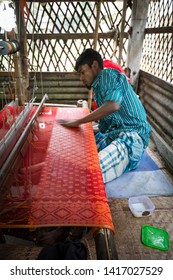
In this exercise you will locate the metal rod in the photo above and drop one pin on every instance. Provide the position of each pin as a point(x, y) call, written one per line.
point(55, 105)
point(7, 139)
point(12, 134)
point(16, 148)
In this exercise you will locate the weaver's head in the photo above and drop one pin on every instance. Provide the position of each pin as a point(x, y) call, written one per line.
point(88, 65)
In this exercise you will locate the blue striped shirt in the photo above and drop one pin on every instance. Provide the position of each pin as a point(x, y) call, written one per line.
point(111, 85)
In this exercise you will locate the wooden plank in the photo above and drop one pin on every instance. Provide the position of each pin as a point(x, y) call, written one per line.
point(155, 30)
point(156, 81)
point(60, 96)
point(5, 74)
point(61, 75)
point(60, 83)
point(164, 149)
point(157, 98)
point(63, 90)
point(56, 75)
point(72, 36)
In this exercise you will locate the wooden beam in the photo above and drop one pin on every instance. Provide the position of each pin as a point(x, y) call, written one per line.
point(154, 30)
point(73, 36)
point(136, 37)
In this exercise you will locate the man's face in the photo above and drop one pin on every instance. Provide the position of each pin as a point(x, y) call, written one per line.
point(88, 74)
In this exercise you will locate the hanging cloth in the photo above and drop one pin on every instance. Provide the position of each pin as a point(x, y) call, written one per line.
point(24, 5)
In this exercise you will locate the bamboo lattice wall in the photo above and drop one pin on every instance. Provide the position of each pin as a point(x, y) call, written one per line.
point(158, 44)
point(58, 32)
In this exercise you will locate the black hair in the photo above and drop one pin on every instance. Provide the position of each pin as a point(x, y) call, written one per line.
point(87, 57)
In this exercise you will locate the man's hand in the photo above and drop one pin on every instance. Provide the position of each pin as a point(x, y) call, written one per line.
point(71, 123)
point(106, 109)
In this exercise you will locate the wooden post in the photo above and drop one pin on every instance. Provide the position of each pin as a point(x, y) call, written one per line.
point(23, 50)
point(136, 37)
point(95, 46)
point(122, 31)
point(19, 98)
point(115, 43)
point(97, 24)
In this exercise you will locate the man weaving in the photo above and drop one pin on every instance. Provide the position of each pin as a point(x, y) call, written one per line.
point(123, 128)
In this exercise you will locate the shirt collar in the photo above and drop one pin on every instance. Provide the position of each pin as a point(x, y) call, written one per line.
point(97, 80)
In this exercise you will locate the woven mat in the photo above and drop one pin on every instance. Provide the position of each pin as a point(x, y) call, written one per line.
point(19, 252)
point(128, 229)
point(23, 252)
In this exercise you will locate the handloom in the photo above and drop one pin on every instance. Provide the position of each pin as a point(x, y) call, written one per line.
point(59, 182)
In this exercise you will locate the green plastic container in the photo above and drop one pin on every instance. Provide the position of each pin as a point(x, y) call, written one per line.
point(154, 237)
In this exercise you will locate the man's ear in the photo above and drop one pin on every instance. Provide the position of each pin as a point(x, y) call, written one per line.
point(95, 66)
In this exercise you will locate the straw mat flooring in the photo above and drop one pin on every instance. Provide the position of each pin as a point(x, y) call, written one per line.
point(128, 229)
point(19, 252)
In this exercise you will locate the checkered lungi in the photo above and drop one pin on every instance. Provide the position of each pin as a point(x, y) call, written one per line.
point(121, 155)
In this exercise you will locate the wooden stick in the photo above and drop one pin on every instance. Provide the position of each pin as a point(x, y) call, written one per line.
point(122, 31)
point(97, 24)
point(90, 93)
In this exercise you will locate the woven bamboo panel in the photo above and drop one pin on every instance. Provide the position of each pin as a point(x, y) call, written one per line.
point(156, 96)
point(157, 47)
point(160, 14)
point(128, 229)
point(78, 19)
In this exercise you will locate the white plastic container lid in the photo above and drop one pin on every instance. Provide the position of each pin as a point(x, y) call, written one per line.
point(141, 206)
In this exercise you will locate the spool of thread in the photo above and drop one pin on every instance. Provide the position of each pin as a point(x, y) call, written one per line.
point(15, 46)
point(80, 103)
point(9, 47)
point(4, 48)
point(85, 104)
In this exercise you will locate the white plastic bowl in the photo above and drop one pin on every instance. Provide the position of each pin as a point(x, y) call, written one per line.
point(141, 206)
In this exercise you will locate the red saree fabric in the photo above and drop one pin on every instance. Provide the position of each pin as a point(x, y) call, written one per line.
point(68, 189)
